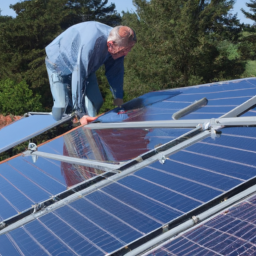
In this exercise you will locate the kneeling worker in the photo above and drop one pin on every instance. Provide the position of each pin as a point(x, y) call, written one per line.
point(74, 57)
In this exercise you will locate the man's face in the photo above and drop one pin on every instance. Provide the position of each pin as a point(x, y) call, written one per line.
point(117, 51)
point(121, 53)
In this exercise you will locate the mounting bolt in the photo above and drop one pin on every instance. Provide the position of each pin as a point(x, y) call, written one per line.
point(162, 160)
point(165, 228)
point(2, 225)
point(32, 146)
point(195, 219)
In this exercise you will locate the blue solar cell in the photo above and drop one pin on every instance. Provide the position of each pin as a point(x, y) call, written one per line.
point(48, 239)
point(6, 208)
point(246, 93)
point(23, 184)
point(115, 206)
point(235, 101)
point(14, 196)
point(26, 243)
point(70, 236)
point(221, 166)
point(234, 138)
point(229, 233)
point(143, 202)
point(43, 178)
point(229, 94)
point(188, 187)
point(201, 175)
point(103, 222)
point(8, 247)
point(223, 86)
point(25, 128)
point(225, 153)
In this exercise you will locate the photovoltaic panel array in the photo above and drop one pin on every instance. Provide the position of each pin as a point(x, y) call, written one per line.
point(25, 129)
point(232, 232)
point(131, 208)
point(25, 183)
point(222, 97)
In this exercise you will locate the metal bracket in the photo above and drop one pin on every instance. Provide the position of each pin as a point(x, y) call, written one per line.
point(162, 159)
point(38, 207)
point(2, 225)
point(32, 146)
point(187, 110)
point(34, 153)
point(195, 219)
point(165, 228)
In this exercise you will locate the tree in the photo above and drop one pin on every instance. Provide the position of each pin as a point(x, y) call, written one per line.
point(38, 22)
point(252, 6)
point(248, 37)
point(17, 99)
point(97, 10)
point(179, 43)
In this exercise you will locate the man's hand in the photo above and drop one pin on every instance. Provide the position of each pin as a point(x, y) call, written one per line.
point(118, 102)
point(87, 119)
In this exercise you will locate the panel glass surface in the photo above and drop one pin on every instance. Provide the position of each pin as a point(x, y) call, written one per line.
point(222, 98)
point(136, 205)
point(24, 183)
point(112, 217)
point(23, 129)
point(232, 233)
point(110, 145)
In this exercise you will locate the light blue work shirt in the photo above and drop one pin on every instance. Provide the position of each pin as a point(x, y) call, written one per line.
point(85, 45)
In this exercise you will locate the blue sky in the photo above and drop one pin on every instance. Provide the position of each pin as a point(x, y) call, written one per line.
point(124, 5)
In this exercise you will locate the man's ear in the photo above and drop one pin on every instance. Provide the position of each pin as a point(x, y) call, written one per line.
point(111, 46)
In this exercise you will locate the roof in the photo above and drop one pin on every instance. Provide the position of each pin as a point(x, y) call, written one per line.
point(125, 183)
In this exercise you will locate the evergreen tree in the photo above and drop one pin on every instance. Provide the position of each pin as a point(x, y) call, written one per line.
point(247, 45)
point(96, 10)
point(252, 6)
point(179, 44)
point(38, 22)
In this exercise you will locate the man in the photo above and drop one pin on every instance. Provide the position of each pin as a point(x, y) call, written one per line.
point(74, 57)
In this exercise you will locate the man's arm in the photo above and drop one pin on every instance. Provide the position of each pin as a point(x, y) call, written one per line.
point(115, 75)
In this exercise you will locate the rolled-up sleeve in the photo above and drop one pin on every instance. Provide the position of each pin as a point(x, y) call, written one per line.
point(114, 71)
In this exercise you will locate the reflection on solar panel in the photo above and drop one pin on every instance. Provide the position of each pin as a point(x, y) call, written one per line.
point(222, 97)
point(233, 232)
point(25, 129)
point(163, 177)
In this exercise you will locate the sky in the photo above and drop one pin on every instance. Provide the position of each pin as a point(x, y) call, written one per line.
point(124, 5)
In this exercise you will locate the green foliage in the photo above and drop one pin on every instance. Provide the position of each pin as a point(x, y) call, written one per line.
point(181, 43)
point(228, 50)
point(247, 50)
point(38, 22)
point(17, 98)
point(248, 37)
point(252, 6)
point(250, 69)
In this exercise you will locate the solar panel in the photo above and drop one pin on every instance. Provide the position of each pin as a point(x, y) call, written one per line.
point(25, 183)
point(144, 201)
point(114, 214)
point(231, 232)
point(111, 145)
point(222, 97)
point(25, 129)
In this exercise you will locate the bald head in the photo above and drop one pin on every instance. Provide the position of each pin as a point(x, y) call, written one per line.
point(120, 41)
point(122, 36)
